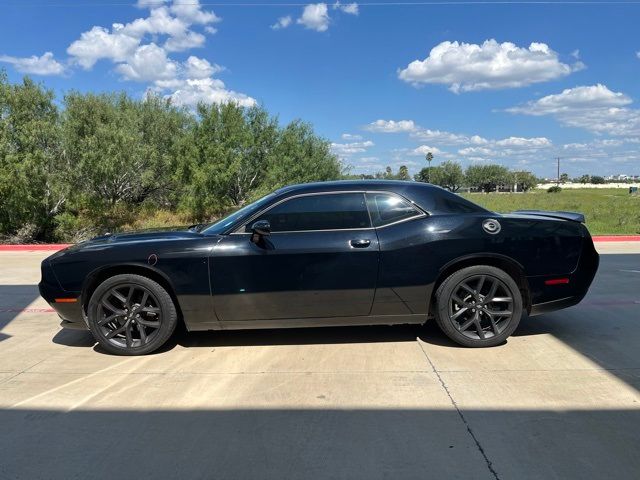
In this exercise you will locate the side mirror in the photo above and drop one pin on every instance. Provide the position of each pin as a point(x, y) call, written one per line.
point(261, 228)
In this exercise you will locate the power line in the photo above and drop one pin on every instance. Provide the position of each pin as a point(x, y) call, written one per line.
point(361, 4)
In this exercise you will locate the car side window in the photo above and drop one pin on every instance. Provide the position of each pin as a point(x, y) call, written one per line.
point(337, 211)
point(386, 209)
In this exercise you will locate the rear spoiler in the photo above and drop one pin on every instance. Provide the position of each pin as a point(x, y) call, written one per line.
point(573, 216)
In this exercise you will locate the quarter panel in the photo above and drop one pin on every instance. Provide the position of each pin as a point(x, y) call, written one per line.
point(413, 254)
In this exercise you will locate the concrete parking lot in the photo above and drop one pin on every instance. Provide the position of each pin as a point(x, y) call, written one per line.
point(559, 400)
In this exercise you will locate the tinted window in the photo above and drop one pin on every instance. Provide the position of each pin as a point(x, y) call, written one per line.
point(386, 209)
point(221, 225)
point(319, 212)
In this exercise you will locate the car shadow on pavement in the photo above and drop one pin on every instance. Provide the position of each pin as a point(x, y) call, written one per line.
point(13, 300)
point(604, 327)
point(319, 442)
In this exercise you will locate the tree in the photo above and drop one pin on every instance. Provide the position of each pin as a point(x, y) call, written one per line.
point(429, 159)
point(107, 158)
point(525, 180)
point(448, 175)
point(300, 156)
point(121, 151)
point(229, 154)
point(31, 174)
point(597, 180)
point(403, 173)
point(564, 178)
point(487, 177)
point(585, 179)
point(239, 154)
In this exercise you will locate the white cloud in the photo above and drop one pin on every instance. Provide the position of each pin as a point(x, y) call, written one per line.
point(283, 22)
point(315, 16)
point(517, 142)
point(422, 150)
point(190, 92)
point(476, 152)
point(350, 137)
point(350, 8)
point(578, 98)
point(200, 68)
point(447, 138)
point(468, 67)
point(187, 83)
point(595, 108)
point(147, 64)
point(423, 134)
point(34, 65)
point(159, 22)
point(346, 149)
point(192, 13)
point(122, 40)
point(180, 43)
point(391, 126)
point(638, 54)
point(150, 3)
point(98, 43)
point(513, 148)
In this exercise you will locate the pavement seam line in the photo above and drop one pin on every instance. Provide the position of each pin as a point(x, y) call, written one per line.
point(460, 414)
point(73, 382)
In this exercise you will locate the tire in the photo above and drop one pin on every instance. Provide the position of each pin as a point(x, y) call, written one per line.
point(459, 302)
point(131, 315)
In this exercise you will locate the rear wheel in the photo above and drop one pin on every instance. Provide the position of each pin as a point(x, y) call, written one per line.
point(131, 315)
point(478, 306)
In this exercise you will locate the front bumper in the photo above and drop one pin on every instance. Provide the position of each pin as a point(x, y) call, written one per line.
point(51, 290)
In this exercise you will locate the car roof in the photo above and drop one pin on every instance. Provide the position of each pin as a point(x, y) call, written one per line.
point(337, 185)
point(431, 198)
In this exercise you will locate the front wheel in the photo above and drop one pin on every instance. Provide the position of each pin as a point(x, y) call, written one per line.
point(131, 315)
point(478, 306)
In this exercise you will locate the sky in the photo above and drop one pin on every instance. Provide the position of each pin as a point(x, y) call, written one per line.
point(513, 83)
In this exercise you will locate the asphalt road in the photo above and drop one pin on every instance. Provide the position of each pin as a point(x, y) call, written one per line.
point(559, 400)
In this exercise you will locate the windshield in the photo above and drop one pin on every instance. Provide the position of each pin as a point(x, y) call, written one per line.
point(223, 224)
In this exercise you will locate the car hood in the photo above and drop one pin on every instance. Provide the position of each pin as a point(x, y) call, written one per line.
point(128, 238)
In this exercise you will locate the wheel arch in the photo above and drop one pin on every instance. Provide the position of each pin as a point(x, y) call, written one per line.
point(503, 262)
point(95, 278)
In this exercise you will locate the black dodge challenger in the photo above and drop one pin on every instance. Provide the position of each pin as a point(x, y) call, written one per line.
point(327, 254)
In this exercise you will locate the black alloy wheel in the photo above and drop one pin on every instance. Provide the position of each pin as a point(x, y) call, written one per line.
point(131, 315)
point(479, 306)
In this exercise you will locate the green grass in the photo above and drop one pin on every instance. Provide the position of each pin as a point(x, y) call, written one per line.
point(608, 211)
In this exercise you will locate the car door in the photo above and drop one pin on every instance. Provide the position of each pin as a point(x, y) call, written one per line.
point(320, 260)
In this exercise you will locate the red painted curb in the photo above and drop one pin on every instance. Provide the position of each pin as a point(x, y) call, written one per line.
point(616, 238)
point(26, 310)
point(33, 248)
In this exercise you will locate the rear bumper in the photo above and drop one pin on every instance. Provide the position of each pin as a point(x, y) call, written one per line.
point(554, 305)
point(548, 298)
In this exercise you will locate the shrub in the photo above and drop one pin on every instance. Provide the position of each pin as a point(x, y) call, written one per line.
point(554, 189)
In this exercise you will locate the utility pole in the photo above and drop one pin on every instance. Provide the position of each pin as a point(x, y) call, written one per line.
point(558, 177)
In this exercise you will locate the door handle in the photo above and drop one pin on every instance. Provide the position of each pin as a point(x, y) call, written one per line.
point(360, 243)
